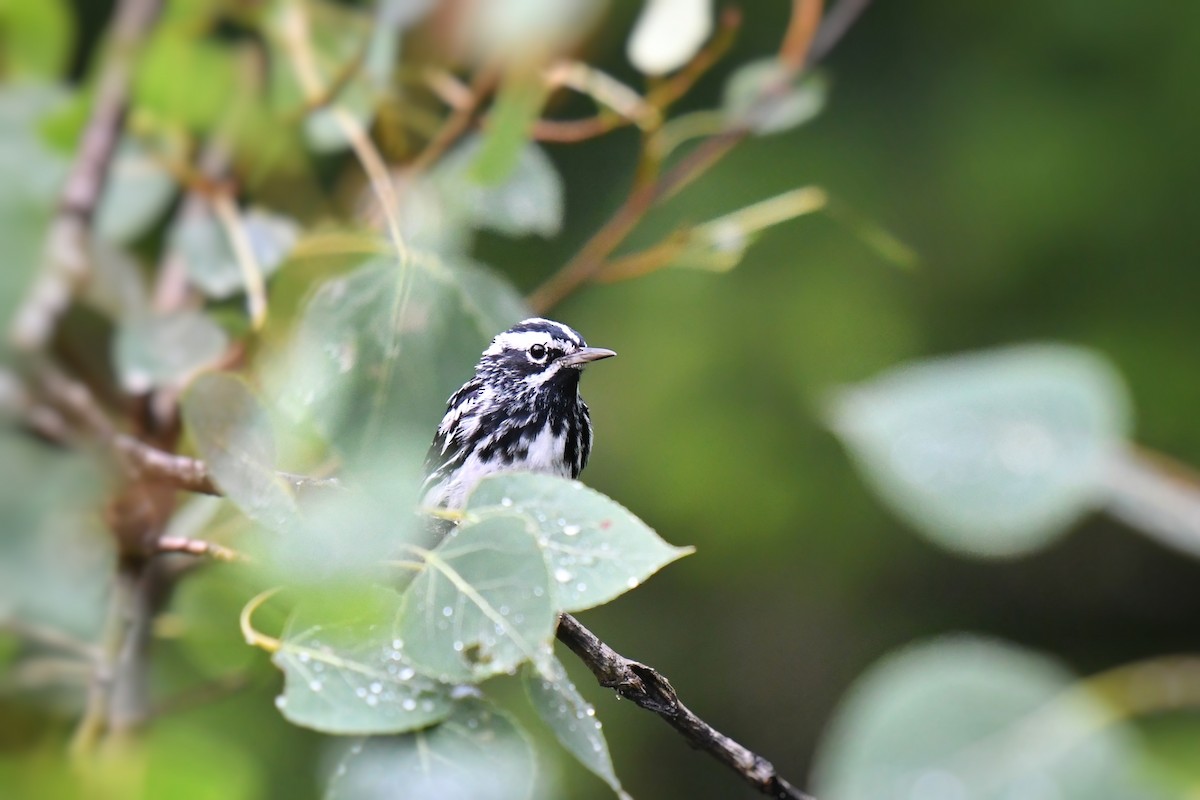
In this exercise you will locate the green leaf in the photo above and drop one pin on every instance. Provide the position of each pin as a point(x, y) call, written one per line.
point(482, 605)
point(790, 107)
point(529, 199)
point(595, 549)
point(153, 352)
point(977, 720)
point(345, 673)
point(117, 287)
point(517, 107)
point(33, 174)
point(479, 753)
point(56, 559)
point(37, 38)
point(991, 454)
point(233, 433)
point(378, 351)
point(187, 78)
point(208, 255)
point(572, 719)
point(137, 192)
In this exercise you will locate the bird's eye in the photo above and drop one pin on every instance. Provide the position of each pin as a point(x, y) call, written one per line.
point(537, 352)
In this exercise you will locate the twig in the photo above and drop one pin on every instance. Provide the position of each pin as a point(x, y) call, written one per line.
point(464, 101)
point(196, 547)
point(225, 207)
point(837, 22)
point(590, 259)
point(646, 687)
point(65, 256)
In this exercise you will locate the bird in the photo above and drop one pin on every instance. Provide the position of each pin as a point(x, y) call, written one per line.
point(520, 411)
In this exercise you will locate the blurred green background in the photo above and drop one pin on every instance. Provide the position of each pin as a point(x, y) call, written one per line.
point(1040, 159)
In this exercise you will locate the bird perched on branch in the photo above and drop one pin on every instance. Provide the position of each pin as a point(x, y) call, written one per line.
point(520, 411)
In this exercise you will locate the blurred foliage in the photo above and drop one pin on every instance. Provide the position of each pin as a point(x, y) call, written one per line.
point(1034, 156)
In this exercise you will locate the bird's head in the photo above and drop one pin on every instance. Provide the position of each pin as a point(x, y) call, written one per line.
point(538, 353)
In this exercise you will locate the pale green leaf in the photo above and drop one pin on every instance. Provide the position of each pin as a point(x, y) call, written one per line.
point(187, 77)
point(518, 105)
point(759, 96)
point(572, 719)
point(346, 673)
point(208, 254)
point(378, 351)
point(151, 352)
point(528, 200)
point(136, 193)
point(233, 433)
point(595, 548)
point(977, 720)
point(991, 454)
point(56, 558)
point(482, 605)
point(479, 753)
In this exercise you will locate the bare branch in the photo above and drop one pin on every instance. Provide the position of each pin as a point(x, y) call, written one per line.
point(646, 687)
point(65, 254)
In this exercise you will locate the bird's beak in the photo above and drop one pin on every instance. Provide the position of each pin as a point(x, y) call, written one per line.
point(584, 355)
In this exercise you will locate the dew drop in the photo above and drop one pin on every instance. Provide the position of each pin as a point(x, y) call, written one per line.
point(315, 685)
point(376, 687)
point(398, 644)
point(427, 706)
point(281, 702)
point(561, 575)
point(581, 587)
point(408, 704)
point(506, 501)
point(302, 658)
point(632, 583)
point(571, 530)
point(447, 611)
point(372, 700)
point(458, 647)
point(538, 592)
point(407, 674)
point(361, 692)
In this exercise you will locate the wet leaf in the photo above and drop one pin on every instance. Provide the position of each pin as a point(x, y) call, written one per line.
point(595, 549)
point(346, 673)
point(572, 719)
point(991, 454)
point(151, 352)
point(479, 753)
point(482, 604)
point(233, 433)
point(978, 720)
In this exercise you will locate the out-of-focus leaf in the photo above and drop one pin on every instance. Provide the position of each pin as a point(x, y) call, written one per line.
point(977, 720)
point(482, 605)
point(595, 549)
point(56, 561)
point(156, 351)
point(529, 200)
point(572, 719)
point(990, 454)
point(187, 78)
point(32, 174)
point(348, 674)
point(233, 433)
point(348, 39)
point(37, 37)
point(791, 105)
point(378, 351)
point(522, 30)
point(516, 109)
point(479, 753)
point(211, 263)
point(136, 193)
point(668, 33)
point(178, 763)
point(117, 287)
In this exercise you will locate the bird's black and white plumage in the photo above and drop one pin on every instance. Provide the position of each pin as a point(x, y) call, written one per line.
point(520, 411)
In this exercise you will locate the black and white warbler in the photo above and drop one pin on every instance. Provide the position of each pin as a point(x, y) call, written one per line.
point(520, 411)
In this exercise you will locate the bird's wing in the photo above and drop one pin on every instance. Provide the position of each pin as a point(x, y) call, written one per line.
point(442, 449)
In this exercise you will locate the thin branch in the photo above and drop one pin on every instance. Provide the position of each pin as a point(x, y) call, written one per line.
point(66, 260)
point(464, 100)
point(225, 207)
point(590, 259)
point(646, 687)
point(196, 547)
point(834, 26)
